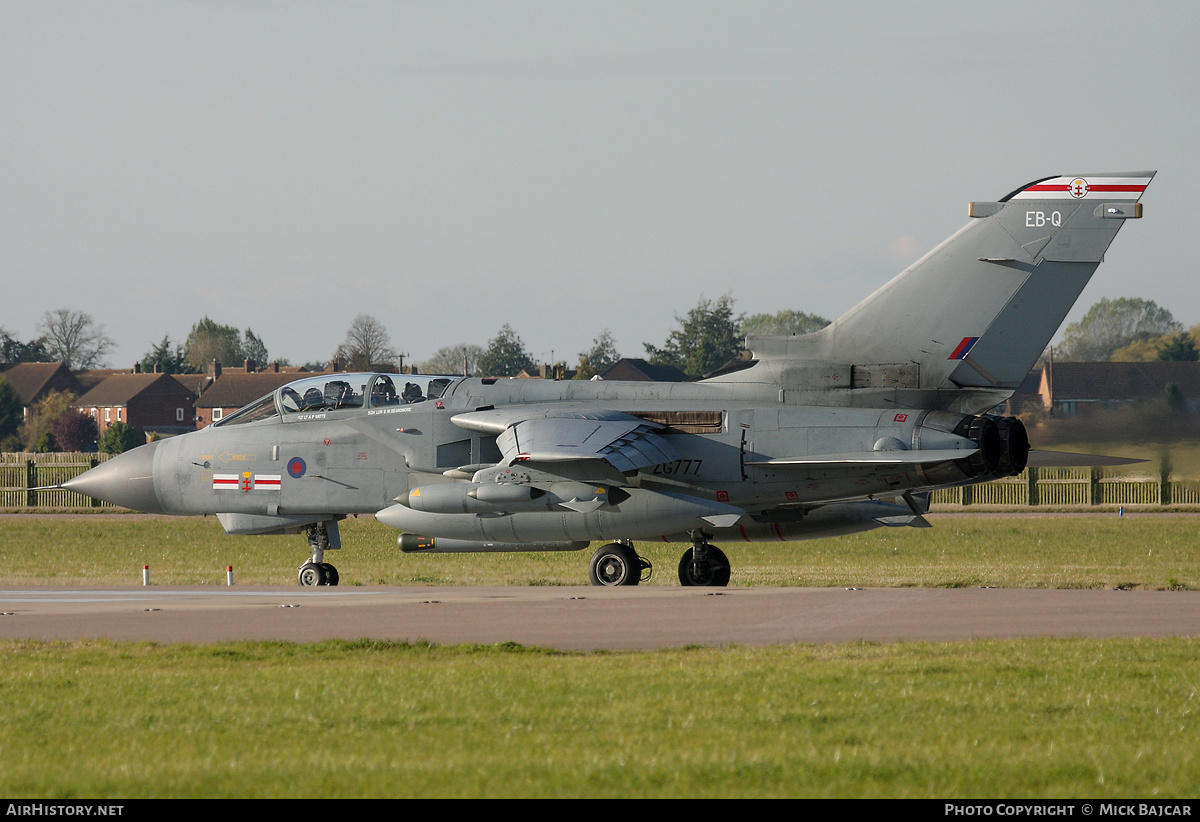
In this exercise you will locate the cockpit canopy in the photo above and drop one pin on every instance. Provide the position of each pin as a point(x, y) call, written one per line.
point(336, 391)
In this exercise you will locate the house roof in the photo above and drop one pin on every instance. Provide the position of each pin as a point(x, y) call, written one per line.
point(94, 376)
point(1116, 381)
point(196, 383)
point(31, 380)
point(119, 389)
point(233, 390)
point(629, 368)
point(1028, 396)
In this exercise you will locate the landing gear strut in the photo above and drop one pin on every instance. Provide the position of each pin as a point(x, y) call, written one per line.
point(617, 564)
point(316, 571)
point(704, 565)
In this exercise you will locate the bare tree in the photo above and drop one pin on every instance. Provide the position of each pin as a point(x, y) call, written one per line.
point(367, 344)
point(74, 338)
point(452, 359)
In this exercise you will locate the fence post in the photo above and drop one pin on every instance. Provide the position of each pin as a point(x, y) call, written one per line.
point(1094, 486)
point(30, 482)
point(1031, 486)
point(93, 462)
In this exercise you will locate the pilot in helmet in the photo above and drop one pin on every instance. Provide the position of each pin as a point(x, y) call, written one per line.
point(412, 392)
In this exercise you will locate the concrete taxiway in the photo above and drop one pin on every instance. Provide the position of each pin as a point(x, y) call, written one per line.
point(589, 618)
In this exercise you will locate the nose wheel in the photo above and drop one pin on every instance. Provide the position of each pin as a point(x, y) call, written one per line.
point(313, 573)
point(316, 571)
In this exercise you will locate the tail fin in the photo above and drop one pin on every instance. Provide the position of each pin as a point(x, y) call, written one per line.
point(978, 310)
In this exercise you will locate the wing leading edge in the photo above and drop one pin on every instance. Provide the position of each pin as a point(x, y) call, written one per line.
point(623, 442)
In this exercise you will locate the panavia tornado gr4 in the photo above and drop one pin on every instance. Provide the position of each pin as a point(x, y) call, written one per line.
point(829, 433)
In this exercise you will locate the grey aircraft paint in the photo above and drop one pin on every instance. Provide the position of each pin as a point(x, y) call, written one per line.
point(829, 433)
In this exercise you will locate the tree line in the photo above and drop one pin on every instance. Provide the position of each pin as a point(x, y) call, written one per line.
point(707, 337)
point(1128, 330)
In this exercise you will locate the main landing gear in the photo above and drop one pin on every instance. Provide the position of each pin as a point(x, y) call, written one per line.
point(704, 565)
point(316, 571)
point(618, 563)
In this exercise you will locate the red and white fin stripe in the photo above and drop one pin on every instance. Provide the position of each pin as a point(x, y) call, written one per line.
point(1085, 187)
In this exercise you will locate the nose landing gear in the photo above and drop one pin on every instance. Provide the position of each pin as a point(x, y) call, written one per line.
point(322, 537)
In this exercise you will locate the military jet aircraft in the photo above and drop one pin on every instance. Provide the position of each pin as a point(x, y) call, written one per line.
point(834, 432)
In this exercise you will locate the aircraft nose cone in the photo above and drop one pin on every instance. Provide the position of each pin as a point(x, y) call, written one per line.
point(126, 480)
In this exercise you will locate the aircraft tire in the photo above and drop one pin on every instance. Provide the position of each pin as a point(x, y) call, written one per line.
point(615, 564)
point(331, 574)
point(311, 575)
point(714, 574)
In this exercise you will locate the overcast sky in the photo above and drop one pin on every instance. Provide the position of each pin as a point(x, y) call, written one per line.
point(563, 167)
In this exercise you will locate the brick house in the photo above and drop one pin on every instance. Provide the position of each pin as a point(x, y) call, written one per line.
point(34, 380)
point(232, 390)
point(155, 403)
point(1069, 387)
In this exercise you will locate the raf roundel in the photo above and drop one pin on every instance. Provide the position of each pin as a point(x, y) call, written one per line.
point(296, 467)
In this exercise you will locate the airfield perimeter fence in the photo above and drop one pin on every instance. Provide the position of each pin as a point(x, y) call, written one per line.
point(1046, 487)
point(1070, 488)
point(21, 472)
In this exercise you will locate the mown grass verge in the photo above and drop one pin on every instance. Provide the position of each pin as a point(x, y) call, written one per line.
point(1005, 550)
point(1032, 718)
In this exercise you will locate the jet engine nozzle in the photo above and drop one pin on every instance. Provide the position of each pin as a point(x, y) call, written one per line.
point(1001, 442)
point(984, 432)
point(1014, 446)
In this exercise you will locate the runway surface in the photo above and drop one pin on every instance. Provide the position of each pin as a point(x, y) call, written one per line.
point(589, 618)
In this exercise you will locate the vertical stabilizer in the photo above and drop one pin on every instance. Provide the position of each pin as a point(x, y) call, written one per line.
point(978, 310)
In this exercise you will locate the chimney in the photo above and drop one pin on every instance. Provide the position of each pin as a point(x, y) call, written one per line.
point(214, 370)
point(275, 367)
point(137, 368)
point(250, 364)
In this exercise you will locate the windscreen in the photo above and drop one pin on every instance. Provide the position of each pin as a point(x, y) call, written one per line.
point(260, 409)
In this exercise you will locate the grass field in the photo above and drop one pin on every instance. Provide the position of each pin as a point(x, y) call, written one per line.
point(1037, 718)
point(1032, 718)
point(1007, 550)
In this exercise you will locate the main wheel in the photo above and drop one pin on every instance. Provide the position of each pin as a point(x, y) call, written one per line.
point(615, 564)
point(331, 574)
point(713, 571)
point(310, 575)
